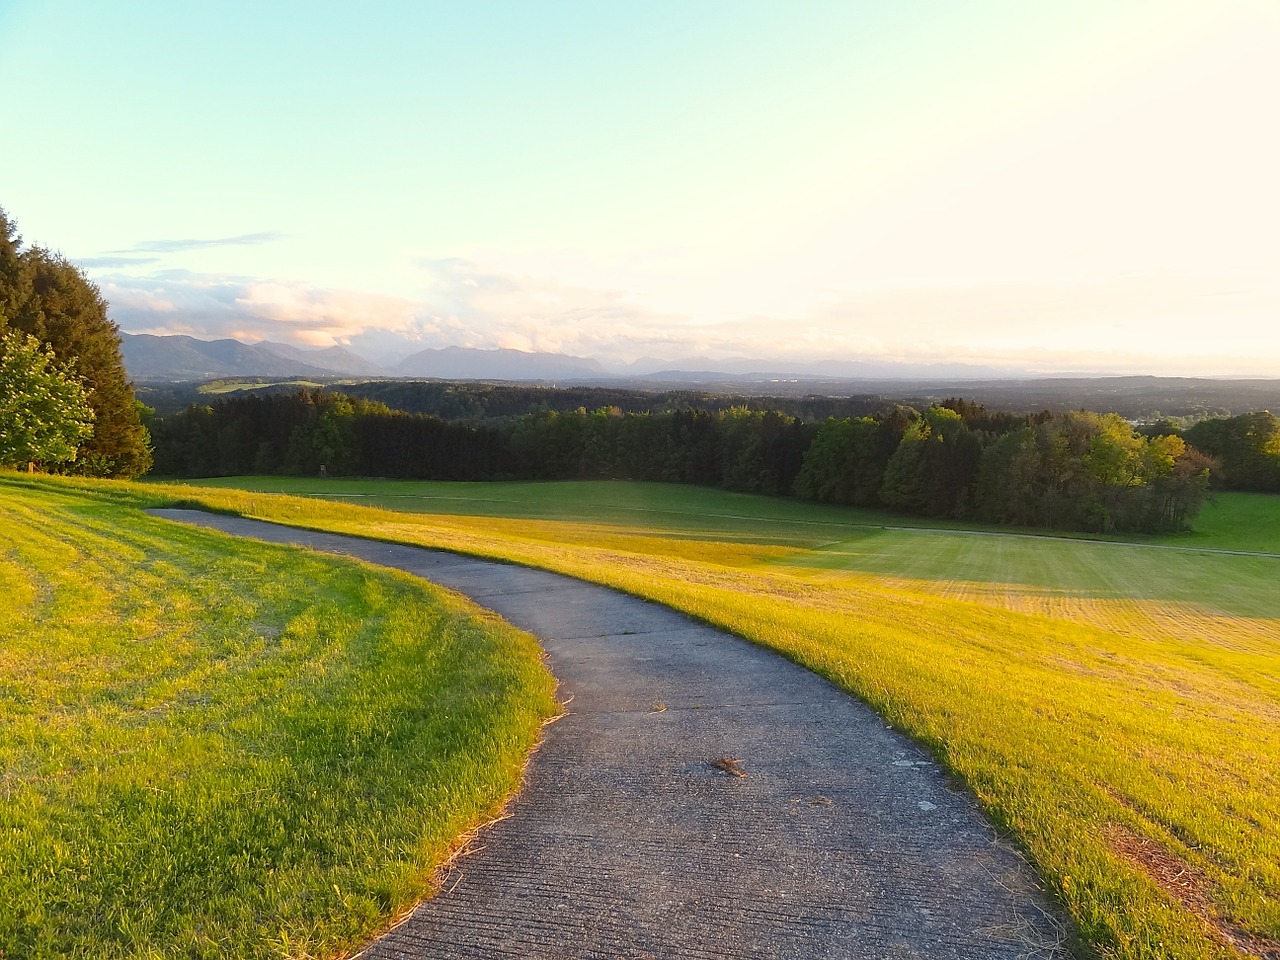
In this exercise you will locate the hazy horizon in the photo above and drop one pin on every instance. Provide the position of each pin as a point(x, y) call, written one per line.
point(1083, 187)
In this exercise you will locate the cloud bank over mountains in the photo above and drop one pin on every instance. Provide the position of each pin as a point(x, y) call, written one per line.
point(1040, 326)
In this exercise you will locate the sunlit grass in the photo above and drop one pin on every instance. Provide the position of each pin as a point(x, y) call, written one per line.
point(212, 747)
point(670, 509)
point(1182, 596)
point(1236, 521)
point(1084, 692)
point(234, 386)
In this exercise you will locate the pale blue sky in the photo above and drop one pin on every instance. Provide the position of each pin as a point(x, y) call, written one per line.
point(1084, 185)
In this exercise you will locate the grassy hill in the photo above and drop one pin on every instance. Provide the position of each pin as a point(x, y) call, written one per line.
point(212, 747)
point(1114, 706)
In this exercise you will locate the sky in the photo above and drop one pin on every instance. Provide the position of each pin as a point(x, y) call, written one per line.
point(1090, 185)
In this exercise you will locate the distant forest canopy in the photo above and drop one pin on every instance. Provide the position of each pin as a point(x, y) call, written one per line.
point(475, 401)
point(1073, 471)
point(1177, 402)
point(1246, 449)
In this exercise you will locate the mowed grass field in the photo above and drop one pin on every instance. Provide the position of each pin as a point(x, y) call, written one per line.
point(212, 747)
point(1115, 707)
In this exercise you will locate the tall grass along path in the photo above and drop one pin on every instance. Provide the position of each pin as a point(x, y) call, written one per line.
point(703, 797)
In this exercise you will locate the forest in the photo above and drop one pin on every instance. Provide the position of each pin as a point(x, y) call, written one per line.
point(47, 298)
point(953, 460)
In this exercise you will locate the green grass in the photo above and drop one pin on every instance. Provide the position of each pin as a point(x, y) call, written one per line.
point(1229, 521)
point(1099, 699)
point(1236, 521)
point(212, 747)
point(218, 387)
point(1037, 573)
point(659, 508)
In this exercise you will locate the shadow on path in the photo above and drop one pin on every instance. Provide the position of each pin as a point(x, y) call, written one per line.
point(843, 839)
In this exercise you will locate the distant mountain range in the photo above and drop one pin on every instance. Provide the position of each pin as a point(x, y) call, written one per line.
point(149, 358)
point(337, 360)
point(168, 369)
point(155, 359)
point(170, 359)
point(462, 363)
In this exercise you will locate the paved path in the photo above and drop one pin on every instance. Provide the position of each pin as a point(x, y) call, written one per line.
point(842, 840)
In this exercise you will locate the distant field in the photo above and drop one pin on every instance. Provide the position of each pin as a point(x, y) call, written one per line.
point(219, 387)
point(1115, 706)
point(653, 507)
point(217, 748)
point(1236, 521)
point(1229, 521)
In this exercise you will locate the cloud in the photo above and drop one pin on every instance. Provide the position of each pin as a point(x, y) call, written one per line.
point(1152, 321)
point(176, 246)
point(247, 308)
point(462, 305)
point(1140, 323)
point(1148, 322)
point(110, 263)
point(467, 304)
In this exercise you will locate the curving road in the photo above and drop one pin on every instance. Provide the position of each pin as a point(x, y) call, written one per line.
point(820, 833)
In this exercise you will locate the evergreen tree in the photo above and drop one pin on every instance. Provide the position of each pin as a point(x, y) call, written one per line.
point(46, 296)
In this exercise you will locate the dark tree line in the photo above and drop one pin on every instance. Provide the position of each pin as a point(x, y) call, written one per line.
point(1077, 471)
point(302, 432)
point(476, 401)
point(737, 449)
point(46, 296)
point(1246, 450)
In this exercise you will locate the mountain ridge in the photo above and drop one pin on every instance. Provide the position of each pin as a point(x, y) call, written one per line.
point(179, 357)
point(468, 363)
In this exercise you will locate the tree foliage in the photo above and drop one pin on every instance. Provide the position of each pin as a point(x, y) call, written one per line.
point(1080, 471)
point(44, 411)
point(1089, 471)
point(1247, 450)
point(45, 295)
point(738, 449)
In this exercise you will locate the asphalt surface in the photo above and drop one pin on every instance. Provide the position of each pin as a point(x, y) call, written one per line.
point(702, 798)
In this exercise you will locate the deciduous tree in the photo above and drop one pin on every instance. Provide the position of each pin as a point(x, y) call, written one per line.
point(44, 410)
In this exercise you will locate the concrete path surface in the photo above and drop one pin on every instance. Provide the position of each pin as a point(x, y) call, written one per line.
point(842, 839)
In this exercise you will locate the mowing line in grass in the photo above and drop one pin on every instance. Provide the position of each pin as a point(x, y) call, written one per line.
point(212, 747)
